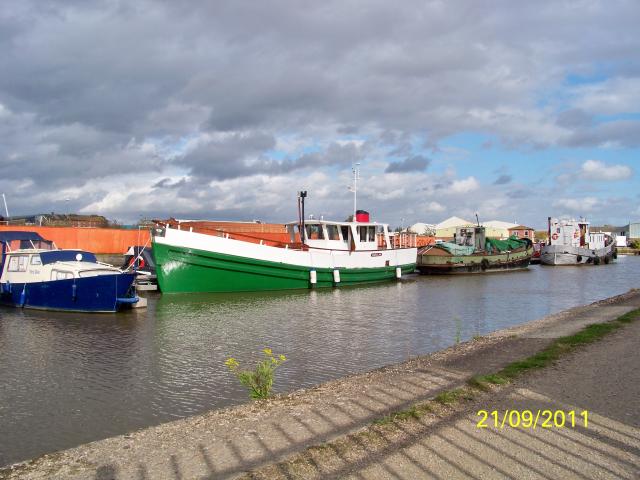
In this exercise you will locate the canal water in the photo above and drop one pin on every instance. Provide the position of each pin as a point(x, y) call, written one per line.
point(67, 379)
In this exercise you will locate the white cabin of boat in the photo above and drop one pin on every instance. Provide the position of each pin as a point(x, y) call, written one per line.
point(345, 236)
point(29, 258)
point(575, 233)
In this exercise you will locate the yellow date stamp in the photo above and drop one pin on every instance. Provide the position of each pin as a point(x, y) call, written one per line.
point(532, 419)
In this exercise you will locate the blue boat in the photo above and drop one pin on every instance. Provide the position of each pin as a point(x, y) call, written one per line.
point(35, 274)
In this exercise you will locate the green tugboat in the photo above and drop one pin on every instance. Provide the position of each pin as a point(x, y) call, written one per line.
point(472, 252)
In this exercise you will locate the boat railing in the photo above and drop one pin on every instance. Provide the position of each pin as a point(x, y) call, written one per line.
point(399, 240)
point(281, 242)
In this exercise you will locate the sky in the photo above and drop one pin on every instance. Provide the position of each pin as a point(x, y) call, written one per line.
point(224, 110)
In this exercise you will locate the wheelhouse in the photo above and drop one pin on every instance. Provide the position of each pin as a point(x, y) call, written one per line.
point(348, 236)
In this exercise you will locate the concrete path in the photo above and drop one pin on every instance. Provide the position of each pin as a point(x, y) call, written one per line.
point(602, 379)
point(230, 442)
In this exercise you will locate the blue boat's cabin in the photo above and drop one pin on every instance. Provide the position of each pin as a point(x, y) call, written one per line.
point(26, 258)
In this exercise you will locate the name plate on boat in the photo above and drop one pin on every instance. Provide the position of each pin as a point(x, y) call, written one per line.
point(376, 254)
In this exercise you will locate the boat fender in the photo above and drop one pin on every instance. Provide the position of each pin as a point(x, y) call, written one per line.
point(484, 264)
point(74, 293)
point(23, 296)
point(579, 258)
point(596, 261)
point(336, 276)
point(398, 273)
point(313, 277)
point(606, 260)
point(615, 254)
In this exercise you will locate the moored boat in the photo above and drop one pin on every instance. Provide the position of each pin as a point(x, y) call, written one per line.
point(139, 259)
point(319, 253)
point(472, 252)
point(35, 274)
point(537, 252)
point(571, 243)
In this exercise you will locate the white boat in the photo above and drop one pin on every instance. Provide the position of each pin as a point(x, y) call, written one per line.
point(318, 253)
point(571, 243)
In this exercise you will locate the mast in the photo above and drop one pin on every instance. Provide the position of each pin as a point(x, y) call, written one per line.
point(356, 175)
point(5, 206)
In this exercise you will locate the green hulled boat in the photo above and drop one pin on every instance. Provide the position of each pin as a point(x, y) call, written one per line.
point(330, 254)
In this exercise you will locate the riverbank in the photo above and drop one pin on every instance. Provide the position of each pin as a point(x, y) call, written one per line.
point(225, 443)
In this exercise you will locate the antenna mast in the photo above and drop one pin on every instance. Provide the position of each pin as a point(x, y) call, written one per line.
point(356, 176)
point(5, 206)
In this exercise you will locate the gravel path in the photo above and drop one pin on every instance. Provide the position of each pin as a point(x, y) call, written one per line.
point(227, 443)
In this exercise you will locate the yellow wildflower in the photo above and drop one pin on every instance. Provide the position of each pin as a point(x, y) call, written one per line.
point(268, 351)
point(231, 362)
point(282, 358)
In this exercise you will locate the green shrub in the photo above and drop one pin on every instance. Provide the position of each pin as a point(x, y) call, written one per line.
point(260, 380)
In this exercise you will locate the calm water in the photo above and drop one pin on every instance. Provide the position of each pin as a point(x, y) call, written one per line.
point(66, 379)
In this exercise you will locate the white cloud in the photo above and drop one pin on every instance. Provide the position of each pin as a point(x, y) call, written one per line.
point(577, 205)
point(597, 170)
point(611, 97)
point(465, 185)
point(4, 111)
point(434, 207)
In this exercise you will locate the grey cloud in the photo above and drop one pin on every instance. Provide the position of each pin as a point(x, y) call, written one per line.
point(520, 193)
point(168, 183)
point(416, 163)
point(348, 129)
point(238, 155)
point(574, 118)
point(503, 179)
point(88, 83)
point(623, 133)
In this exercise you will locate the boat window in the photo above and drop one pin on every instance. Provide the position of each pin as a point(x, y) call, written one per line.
point(345, 233)
point(372, 234)
point(314, 232)
point(35, 260)
point(22, 263)
point(95, 273)
point(60, 275)
point(362, 231)
point(332, 232)
point(13, 264)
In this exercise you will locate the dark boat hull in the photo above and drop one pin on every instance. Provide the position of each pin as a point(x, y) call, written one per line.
point(472, 264)
point(104, 293)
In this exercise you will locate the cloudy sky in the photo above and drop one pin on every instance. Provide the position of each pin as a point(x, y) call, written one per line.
point(223, 110)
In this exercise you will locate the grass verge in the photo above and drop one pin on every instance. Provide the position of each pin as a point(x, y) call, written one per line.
point(559, 347)
point(542, 359)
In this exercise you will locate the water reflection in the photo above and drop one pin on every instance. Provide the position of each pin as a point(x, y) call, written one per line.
point(69, 378)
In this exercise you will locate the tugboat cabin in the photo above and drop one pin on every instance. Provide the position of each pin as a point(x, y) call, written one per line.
point(347, 236)
point(470, 237)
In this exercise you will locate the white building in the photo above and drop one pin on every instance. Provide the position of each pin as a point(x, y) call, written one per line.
point(423, 228)
point(447, 227)
point(498, 228)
